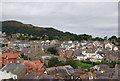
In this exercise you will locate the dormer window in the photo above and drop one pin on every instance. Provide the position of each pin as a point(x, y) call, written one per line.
point(6, 57)
point(18, 57)
point(18, 61)
point(14, 77)
point(10, 61)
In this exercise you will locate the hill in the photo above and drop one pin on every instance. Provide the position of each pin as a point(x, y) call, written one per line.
point(11, 27)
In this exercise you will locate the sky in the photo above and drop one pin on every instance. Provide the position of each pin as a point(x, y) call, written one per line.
point(98, 19)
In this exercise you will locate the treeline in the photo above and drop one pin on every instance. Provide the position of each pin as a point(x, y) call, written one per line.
point(68, 36)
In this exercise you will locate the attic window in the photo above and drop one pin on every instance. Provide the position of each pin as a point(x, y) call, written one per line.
point(10, 61)
point(6, 57)
point(14, 77)
point(18, 61)
point(18, 57)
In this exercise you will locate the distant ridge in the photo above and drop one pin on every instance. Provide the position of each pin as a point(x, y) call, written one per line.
point(19, 24)
point(13, 26)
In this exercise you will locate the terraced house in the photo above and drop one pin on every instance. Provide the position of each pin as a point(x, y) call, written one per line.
point(11, 58)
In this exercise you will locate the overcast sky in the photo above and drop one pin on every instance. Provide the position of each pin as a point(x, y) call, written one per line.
point(95, 18)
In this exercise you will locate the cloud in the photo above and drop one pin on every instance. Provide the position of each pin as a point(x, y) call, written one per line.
point(76, 17)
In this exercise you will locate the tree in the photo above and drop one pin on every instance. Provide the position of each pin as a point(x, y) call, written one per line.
point(118, 41)
point(113, 37)
point(3, 45)
point(105, 38)
point(21, 37)
point(84, 37)
point(72, 62)
point(25, 57)
point(53, 50)
point(98, 39)
point(53, 62)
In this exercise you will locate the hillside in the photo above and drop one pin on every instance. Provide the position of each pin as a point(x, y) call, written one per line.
point(11, 27)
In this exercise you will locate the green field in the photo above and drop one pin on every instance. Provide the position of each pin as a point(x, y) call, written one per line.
point(83, 66)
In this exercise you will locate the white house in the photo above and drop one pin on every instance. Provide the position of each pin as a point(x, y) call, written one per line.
point(81, 57)
point(115, 48)
point(109, 45)
point(92, 55)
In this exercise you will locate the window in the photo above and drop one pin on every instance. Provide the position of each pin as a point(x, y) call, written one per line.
point(6, 57)
point(14, 77)
point(10, 61)
point(18, 57)
point(18, 61)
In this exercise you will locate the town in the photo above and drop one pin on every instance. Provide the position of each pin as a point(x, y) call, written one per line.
point(55, 59)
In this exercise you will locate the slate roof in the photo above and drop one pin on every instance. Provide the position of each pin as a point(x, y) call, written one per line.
point(105, 78)
point(60, 48)
point(61, 70)
point(41, 76)
point(100, 52)
point(47, 56)
point(52, 71)
point(104, 51)
point(25, 50)
point(48, 46)
point(90, 51)
point(117, 76)
point(103, 67)
point(77, 52)
point(87, 75)
point(117, 66)
point(117, 71)
point(111, 70)
point(78, 72)
point(13, 68)
point(44, 76)
point(65, 71)
point(30, 76)
point(100, 75)
point(114, 52)
point(105, 74)
point(69, 44)
point(97, 73)
point(33, 64)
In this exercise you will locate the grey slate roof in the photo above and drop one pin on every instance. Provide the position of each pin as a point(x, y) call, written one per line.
point(104, 51)
point(49, 55)
point(90, 51)
point(60, 48)
point(44, 76)
point(117, 75)
point(114, 52)
point(62, 71)
point(77, 52)
point(25, 50)
point(52, 71)
point(13, 68)
point(30, 76)
point(103, 67)
point(41, 76)
point(48, 46)
point(117, 66)
point(69, 44)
